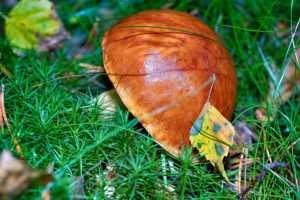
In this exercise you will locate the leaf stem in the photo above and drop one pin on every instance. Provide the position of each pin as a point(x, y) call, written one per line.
point(213, 75)
point(211, 87)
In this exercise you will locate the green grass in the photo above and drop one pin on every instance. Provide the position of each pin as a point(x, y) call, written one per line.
point(56, 125)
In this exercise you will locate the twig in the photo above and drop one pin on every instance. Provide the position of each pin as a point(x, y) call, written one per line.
point(81, 180)
point(249, 161)
point(88, 171)
point(266, 146)
point(240, 171)
point(245, 168)
point(261, 176)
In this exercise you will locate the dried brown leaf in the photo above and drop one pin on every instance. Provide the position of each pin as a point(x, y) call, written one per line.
point(244, 135)
point(16, 176)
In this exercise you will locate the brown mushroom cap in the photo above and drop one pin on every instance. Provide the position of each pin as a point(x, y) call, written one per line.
point(152, 67)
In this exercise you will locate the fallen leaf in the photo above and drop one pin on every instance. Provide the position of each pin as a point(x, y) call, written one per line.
point(244, 137)
point(16, 176)
point(244, 140)
point(212, 134)
point(34, 24)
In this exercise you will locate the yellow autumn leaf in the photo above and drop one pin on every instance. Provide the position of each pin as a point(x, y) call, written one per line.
point(211, 134)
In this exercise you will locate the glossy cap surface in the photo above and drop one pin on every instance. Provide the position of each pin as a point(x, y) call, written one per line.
point(152, 67)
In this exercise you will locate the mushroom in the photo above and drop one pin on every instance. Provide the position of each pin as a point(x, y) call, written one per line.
point(152, 63)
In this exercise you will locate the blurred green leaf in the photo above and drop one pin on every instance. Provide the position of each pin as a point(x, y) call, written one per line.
point(34, 24)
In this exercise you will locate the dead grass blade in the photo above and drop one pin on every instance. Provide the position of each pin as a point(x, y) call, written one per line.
point(4, 118)
point(240, 171)
point(5, 71)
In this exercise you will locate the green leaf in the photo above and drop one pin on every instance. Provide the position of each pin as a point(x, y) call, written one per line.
point(32, 23)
